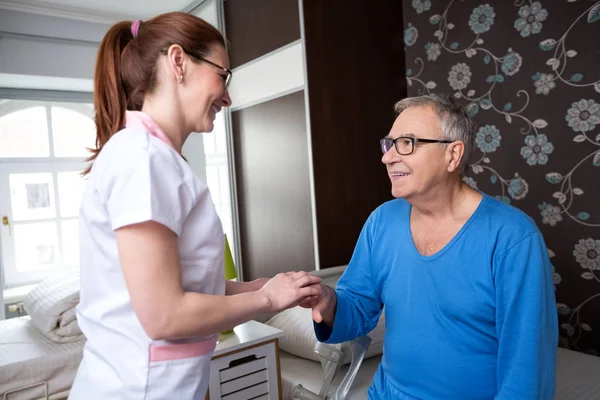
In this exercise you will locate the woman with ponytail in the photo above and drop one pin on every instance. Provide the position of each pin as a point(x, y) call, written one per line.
point(153, 295)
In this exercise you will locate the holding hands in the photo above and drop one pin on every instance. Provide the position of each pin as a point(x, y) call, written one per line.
point(324, 305)
point(289, 289)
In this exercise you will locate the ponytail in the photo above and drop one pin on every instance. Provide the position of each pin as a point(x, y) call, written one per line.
point(125, 66)
point(110, 100)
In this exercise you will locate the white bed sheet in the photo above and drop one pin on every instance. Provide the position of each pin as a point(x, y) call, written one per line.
point(577, 376)
point(27, 357)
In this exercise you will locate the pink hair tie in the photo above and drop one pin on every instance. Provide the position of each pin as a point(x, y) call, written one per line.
point(135, 28)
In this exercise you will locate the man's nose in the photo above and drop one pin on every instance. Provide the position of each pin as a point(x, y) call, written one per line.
point(391, 156)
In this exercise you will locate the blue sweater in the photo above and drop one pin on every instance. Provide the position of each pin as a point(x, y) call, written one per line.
point(476, 320)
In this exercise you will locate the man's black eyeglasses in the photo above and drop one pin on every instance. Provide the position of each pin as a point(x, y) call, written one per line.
point(226, 78)
point(405, 145)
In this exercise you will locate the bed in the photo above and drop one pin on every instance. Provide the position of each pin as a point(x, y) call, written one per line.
point(301, 368)
point(576, 376)
point(32, 366)
point(40, 352)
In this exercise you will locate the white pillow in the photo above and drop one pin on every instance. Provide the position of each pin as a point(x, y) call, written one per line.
point(299, 338)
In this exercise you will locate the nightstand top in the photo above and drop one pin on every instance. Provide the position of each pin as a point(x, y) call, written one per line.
point(246, 335)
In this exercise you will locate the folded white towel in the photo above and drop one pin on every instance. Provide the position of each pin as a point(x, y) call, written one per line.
point(51, 306)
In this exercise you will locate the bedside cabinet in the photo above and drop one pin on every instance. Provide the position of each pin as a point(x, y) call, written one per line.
point(245, 364)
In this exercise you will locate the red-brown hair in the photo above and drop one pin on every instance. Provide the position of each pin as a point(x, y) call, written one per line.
point(126, 66)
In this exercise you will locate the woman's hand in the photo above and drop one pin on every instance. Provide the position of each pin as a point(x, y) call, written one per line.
point(233, 288)
point(288, 289)
point(258, 284)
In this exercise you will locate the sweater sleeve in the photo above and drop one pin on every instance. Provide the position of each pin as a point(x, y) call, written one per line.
point(526, 321)
point(358, 296)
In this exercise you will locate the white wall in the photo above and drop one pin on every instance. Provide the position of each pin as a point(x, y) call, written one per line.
point(25, 56)
point(37, 45)
point(50, 53)
point(273, 75)
point(208, 11)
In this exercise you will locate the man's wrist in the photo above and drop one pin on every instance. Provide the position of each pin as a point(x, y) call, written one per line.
point(329, 312)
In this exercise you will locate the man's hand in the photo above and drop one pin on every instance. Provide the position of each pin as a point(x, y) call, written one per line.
point(310, 301)
point(324, 306)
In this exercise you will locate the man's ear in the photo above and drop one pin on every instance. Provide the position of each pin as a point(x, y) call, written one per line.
point(454, 155)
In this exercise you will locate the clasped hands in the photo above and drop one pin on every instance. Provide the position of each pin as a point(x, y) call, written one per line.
point(290, 289)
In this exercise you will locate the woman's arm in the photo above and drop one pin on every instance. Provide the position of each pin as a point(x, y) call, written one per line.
point(149, 255)
point(232, 287)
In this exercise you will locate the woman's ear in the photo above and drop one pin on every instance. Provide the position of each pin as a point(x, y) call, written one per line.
point(176, 62)
point(454, 155)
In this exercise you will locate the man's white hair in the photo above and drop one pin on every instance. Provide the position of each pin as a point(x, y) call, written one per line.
point(456, 124)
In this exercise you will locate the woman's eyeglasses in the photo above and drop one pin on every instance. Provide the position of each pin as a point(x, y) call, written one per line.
point(226, 78)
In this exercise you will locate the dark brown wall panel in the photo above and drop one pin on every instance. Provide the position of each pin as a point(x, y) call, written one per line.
point(273, 187)
point(355, 63)
point(257, 27)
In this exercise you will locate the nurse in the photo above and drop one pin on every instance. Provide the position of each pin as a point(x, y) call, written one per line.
point(153, 295)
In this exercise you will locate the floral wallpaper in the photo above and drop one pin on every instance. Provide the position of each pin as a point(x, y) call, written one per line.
point(529, 74)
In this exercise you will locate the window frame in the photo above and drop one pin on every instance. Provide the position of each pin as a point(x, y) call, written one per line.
point(50, 164)
point(13, 278)
point(221, 194)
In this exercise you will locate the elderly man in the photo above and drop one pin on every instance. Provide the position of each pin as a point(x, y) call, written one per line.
point(465, 279)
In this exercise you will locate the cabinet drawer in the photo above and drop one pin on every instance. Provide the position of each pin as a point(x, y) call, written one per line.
point(249, 393)
point(248, 374)
point(244, 382)
point(230, 360)
point(239, 364)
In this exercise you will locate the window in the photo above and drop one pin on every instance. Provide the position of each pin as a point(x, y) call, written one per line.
point(43, 146)
point(215, 144)
point(217, 175)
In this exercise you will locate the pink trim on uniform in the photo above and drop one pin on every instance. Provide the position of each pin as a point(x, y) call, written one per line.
point(182, 350)
point(139, 119)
